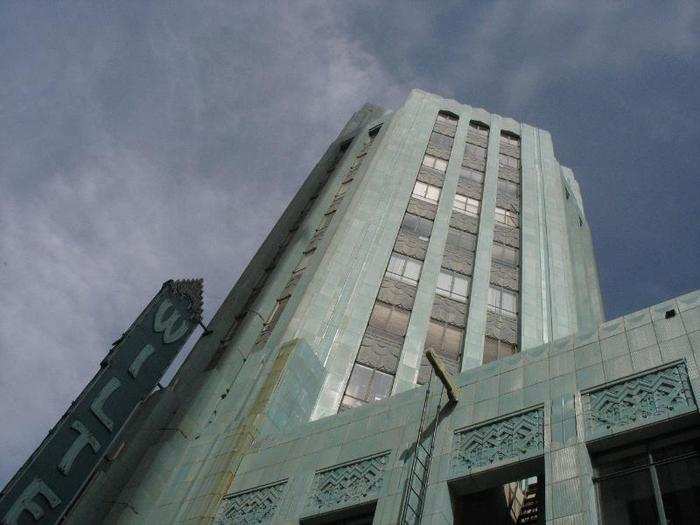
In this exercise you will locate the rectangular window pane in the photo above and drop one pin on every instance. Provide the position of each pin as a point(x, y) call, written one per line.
point(410, 222)
point(359, 381)
point(508, 302)
point(434, 337)
point(381, 386)
point(396, 264)
point(440, 165)
point(412, 271)
point(444, 282)
point(433, 193)
point(452, 343)
point(461, 287)
point(680, 490)
point(420, 188)
point(494, 298)
point(628, 500)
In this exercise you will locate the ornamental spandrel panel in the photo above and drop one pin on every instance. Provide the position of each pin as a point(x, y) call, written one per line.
point(646, 398)
point(347, 485)
point(470, 188)
point(518, 437)
point(256, 506)
point(508, 235)
point(431, 176)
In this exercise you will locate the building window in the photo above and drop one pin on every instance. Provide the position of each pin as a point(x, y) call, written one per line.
point(509, 189)
point(390, 319)
point(505, 255)
point(472, 175)
point(479, 128)
point(643, 483)
point(462, 241)
point(405, 269)
point(453, 285)
point(418, 226)
point(507, 217)
point(466, 205)
point(509, 138)
point(508, 161)
point(447, 118)
point(426, 192)
point(495, 349)
point(366, 385)
point(446, 341)
point(503, 301)
point(435, 163)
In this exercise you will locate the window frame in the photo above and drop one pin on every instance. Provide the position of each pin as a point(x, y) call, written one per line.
point(404, 261)
point(470, 204)
point(646, 450)
point(393, 312)
point(420, 220)
point(498, 292)
point(507, 217)
point(451, 294)
point(431, 161)
point(369, 389)
point(424, 196)
point(441, 349)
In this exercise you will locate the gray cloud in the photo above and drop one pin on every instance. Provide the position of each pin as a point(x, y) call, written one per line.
point(141, 143)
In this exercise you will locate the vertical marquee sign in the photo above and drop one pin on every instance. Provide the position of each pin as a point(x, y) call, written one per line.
point(47, 484)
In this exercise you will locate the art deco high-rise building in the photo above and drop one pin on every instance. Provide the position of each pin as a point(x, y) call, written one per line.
point(439, 227)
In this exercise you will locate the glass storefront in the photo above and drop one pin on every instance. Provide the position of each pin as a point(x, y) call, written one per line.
point(653, 482)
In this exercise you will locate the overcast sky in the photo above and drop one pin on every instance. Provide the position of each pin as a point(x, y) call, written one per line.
point(144, 142)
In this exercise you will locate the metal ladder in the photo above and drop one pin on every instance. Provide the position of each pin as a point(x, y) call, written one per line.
point(417, 481)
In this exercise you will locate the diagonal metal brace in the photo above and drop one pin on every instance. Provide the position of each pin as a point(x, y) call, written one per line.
point(443, 375)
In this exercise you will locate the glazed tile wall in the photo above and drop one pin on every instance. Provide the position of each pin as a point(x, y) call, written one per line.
point(545, 386)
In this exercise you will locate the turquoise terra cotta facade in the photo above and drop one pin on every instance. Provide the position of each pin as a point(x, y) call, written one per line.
point(437, 225)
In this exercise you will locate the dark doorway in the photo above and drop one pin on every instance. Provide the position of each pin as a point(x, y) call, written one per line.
point(516, 503)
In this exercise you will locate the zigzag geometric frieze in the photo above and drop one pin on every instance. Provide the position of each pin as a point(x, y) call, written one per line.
point(347, 484)
point(520, 435)
point(657, 394)
point(252, 507)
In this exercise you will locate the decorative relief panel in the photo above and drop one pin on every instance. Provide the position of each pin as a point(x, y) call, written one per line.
point(659, 394)
point(347, 484)
point(251, 507)
point(517, 436)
